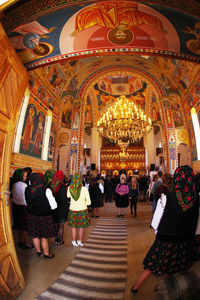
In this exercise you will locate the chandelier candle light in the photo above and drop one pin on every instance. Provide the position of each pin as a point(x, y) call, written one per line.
point(124, 121)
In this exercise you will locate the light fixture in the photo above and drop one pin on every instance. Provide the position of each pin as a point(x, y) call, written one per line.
point(124, 122)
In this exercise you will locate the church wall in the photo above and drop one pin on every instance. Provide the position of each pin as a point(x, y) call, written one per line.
point(62, 150)
point(41, 103)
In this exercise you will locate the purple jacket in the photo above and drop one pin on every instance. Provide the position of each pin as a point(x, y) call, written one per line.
point(122, 188)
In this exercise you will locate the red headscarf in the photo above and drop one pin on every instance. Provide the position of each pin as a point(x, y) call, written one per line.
point(57, 180)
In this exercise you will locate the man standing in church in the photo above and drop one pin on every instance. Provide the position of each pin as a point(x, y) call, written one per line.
point(156, 185)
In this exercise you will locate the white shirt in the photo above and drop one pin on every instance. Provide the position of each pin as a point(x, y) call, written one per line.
point(101, 187)
point(51, 199)
point(18, 191)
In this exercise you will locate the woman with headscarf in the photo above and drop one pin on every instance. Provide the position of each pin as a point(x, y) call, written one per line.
point(60, 214)
point(174, 247)
point(19, 208)
point(29, 171)
point(41, 225)
point(78, 217)
point(166, 186)
point(48, 175)
point(96, 190)
point(122, 196)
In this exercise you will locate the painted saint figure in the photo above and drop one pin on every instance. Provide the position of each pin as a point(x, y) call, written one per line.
point(39, 135)
point(28, 130)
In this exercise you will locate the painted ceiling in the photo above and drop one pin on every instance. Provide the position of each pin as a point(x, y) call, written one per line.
point(100, 50)
point(62, 31)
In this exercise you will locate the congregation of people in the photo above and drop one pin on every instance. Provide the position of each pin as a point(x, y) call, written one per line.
point(43, 203)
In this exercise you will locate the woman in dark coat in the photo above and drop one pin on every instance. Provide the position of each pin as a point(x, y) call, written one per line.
point(41, 225)
point(133, 194)
point(96, 190)
point(174, 247)
point(60, 214)
point(19, 207)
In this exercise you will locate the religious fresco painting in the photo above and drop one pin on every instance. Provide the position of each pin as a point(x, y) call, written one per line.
point(26, 41)
point(176, 111)
point(192, 139)
point(52, 141)
point(33, 131)
point(55, 77)
point(115, 24)
point(155, 114)
point(193, 44)
point(88, 111)
point(182, 76)
point(193, 97)
point(177, 116)
point(106, 24)
point(73, 158)
point(111, 86)
point(76, 119)
point(41, 94)
point(68, 104)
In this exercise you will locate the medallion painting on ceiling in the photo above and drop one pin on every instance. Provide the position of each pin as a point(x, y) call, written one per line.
point(103, 25)
point(113, 24)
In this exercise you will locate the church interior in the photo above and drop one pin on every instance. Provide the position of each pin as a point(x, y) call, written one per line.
point(65, 66)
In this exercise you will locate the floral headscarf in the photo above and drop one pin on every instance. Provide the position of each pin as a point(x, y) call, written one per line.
point(75, 186)
point(17, 175)
point(36, 181)
point(167, 180)
point(48, 177)
point(184, 184)
point(28, 170)
point(57, 180)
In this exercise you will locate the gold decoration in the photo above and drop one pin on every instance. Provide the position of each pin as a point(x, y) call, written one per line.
point(124, 122)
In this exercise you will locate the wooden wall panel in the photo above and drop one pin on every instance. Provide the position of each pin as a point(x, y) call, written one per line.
point(2, 235)
point(3, 137)
point(8, 91)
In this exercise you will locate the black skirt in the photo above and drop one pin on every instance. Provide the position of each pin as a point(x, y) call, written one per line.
point(20, 216)
point(122, 201)
point(166, 257)
point(41, 226)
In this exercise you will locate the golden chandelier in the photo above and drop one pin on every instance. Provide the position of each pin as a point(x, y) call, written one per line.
point(124, 122)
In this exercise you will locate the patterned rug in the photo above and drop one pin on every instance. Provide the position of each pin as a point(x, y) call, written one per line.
point(98, 271)
point(181, 286)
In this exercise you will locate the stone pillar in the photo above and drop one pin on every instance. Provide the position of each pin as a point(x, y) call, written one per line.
point(150, 148)
point(95, 149)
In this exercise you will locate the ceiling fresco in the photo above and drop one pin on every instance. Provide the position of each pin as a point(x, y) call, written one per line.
point(67, 77)
point(83, 27)
point(97, 51)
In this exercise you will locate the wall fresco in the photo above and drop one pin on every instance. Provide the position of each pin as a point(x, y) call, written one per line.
point(192, 139)
point(193, 96)
point(68, 104)
point(33, 131)
point(52, 141)
point(41, 94)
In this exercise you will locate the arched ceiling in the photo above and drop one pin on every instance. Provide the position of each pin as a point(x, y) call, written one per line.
point(99, 50)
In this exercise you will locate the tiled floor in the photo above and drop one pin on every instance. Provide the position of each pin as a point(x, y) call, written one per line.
point(39, 273)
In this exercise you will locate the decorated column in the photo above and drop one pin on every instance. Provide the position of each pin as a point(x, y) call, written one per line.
point(95, 151)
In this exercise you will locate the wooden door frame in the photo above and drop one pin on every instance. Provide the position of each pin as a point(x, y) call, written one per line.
point(13, 76)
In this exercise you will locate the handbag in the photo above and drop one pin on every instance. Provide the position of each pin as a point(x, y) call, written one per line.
point(160, 207)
